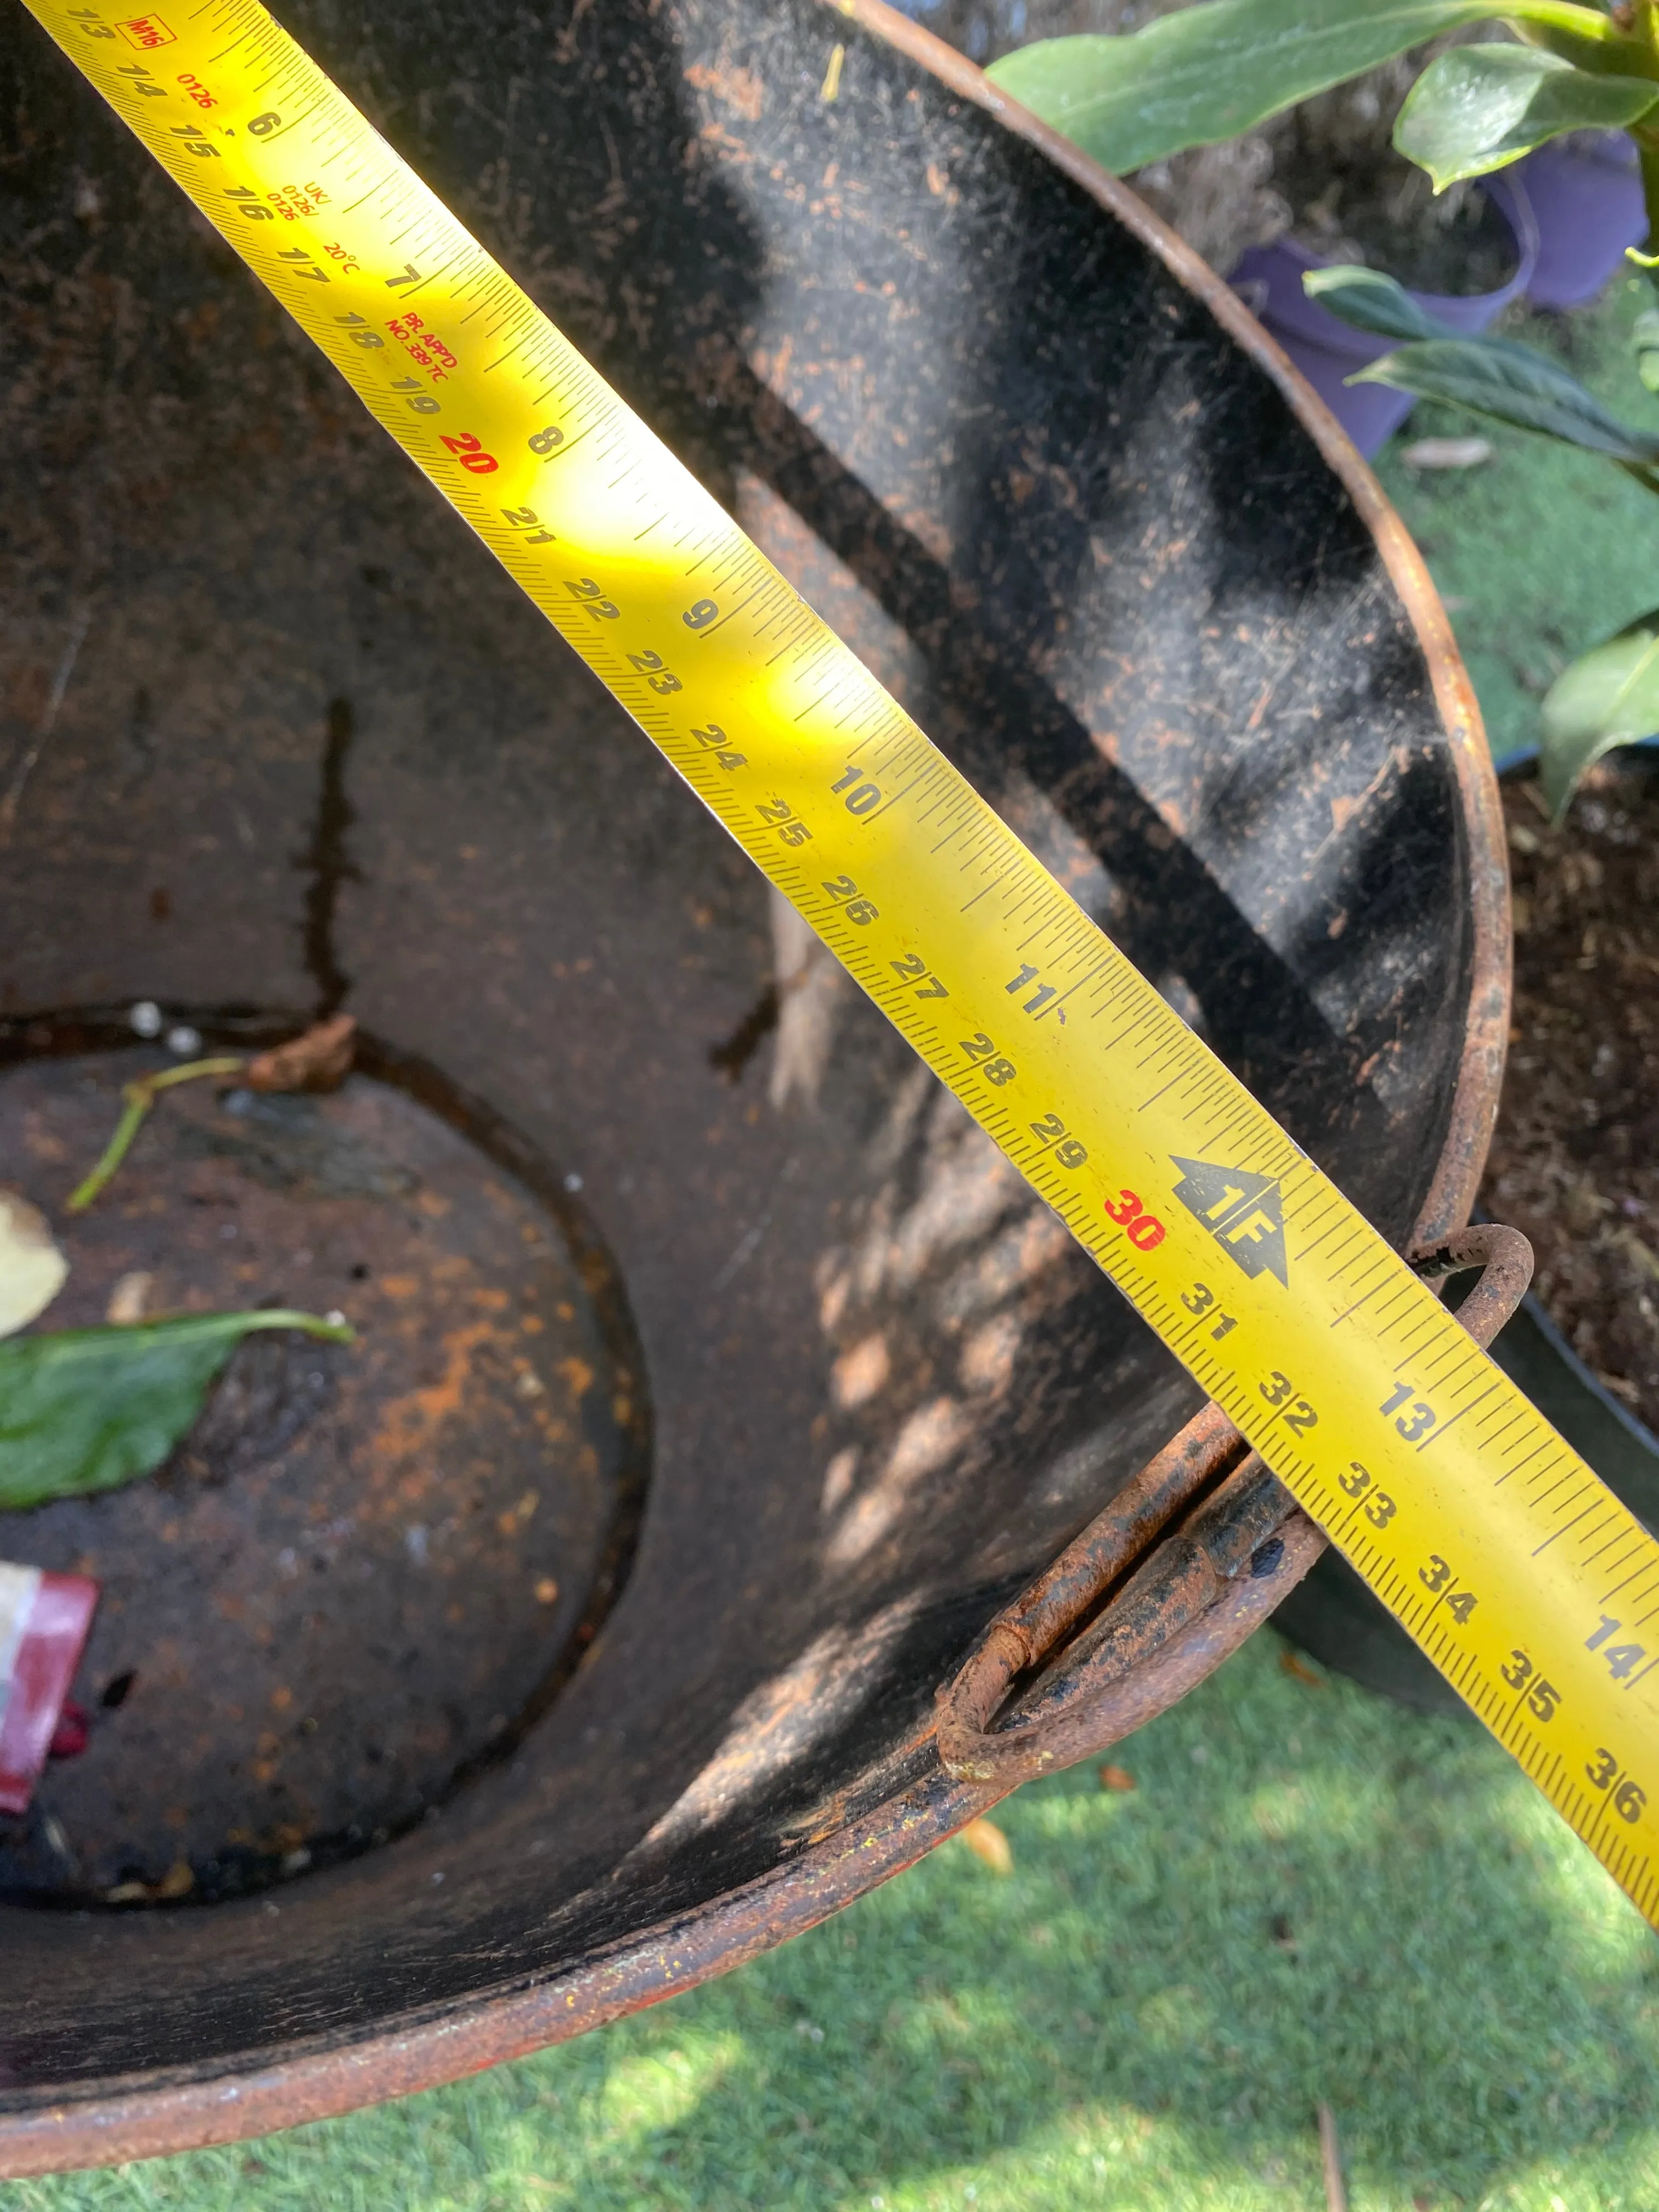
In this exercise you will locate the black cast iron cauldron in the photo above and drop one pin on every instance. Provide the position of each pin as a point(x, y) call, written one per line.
point(575, 1636)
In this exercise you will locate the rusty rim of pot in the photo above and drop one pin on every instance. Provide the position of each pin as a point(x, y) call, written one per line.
point(428, 2048)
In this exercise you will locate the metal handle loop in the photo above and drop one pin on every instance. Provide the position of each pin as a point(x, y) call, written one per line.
point(1186, 1562)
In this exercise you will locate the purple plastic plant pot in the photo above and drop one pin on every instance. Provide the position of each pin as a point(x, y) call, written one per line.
point(1586, 195)
point(1268, 278)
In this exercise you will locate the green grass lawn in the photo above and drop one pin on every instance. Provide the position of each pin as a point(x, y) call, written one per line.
point(1309, 1895)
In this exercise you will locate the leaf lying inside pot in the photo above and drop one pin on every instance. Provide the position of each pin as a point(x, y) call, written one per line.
point(31, 1268)
point(1478, 108)
point(321, 1059)
point(88, 1409)
point(137, 1099)
point(318, 1060)
point(1609, 697)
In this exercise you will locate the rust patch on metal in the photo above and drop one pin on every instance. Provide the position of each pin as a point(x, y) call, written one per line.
point(740, 89)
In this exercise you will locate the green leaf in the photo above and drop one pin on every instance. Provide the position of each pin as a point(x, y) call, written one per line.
point(1645, 336)
point(1587, 41)
point(1610, 697)
point(1209, 72)
point(1478, 108)
point(1369, 301)
point(88, 1409)
point(1511, 384)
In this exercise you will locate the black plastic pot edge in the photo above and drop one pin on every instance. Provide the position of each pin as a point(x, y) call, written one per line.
point(1533, 1353)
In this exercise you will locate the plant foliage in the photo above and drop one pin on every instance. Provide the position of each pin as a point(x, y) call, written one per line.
point(88, 1409)
point(1478, 108)
point(1609, 697)
point(1210, 71)
point(1372, 301)
point(1513, 384)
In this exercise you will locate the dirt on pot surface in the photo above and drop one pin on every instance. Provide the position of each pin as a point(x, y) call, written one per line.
point(1575, 1162)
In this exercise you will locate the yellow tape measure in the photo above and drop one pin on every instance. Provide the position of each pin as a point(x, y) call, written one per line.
point(1529, 1586)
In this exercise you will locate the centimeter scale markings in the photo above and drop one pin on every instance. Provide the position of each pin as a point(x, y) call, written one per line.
point(1529, 1585)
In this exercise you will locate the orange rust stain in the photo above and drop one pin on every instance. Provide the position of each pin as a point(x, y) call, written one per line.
point(491, 1301)
point(578, 1377)
point(400, 1286)
point(509, 1521)
point(739, 89)
point(410, 1424)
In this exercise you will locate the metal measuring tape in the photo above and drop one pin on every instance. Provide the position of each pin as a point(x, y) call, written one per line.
point(1524, 1580)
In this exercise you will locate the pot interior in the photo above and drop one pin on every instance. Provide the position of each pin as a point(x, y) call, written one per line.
point(716, 1379)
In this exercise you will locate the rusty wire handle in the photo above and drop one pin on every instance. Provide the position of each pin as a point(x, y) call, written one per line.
point(1218, 1572)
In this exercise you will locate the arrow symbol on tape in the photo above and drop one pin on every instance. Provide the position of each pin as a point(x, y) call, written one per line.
point(1243, 1211)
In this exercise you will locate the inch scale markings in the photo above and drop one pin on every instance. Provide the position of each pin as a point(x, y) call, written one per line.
point(1332, 1358)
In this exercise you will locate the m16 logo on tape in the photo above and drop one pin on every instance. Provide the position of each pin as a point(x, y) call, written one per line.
point(146, 32)
point(1242, 1212)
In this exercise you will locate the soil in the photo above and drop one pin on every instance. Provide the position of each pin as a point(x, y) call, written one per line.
point(1575, 1162)
point(1355, 200)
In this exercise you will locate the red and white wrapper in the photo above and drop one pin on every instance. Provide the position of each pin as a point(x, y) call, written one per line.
point(44, 1620)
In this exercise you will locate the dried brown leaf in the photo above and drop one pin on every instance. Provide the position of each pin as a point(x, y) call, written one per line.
point(988, 1845)
point(318, 1060)
point(128, 1299)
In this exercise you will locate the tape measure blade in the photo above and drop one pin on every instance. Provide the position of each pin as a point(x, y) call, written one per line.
point(1495, 1547)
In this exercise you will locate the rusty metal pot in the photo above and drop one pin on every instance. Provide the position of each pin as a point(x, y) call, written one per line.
point(832, 1386)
